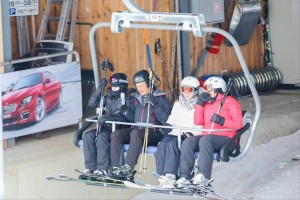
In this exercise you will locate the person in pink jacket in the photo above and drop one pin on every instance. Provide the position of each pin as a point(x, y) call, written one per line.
point(206, 114)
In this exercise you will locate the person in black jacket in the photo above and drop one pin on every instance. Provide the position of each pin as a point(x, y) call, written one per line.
point(160, 109)
point(96, 145)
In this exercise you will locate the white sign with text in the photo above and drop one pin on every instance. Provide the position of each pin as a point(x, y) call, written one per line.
point(23, 7)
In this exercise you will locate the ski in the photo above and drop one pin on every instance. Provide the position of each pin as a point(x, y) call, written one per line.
point(104, 183)
point(103, 178)
point(204, 191)
point(152, 188)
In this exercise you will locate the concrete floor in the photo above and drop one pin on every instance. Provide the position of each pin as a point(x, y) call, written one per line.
point(268, 169)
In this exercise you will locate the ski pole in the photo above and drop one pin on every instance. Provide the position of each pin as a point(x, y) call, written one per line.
point(145, 143)
point(105, 64)
point(144, 149)
point(230, 82)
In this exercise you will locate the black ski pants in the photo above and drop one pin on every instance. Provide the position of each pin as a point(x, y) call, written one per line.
point(167, 155)
point(206, 145)
point(135, 138)
point(96, 149)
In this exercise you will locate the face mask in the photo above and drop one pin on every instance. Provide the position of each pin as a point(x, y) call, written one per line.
point(116, 93)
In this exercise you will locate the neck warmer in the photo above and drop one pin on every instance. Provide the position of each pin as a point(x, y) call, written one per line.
point(187, 104)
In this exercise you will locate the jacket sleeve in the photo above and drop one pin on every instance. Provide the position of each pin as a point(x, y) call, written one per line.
point(128, 113)
point(235, 120)
point(162, 109)
point(94, 100)
point(173, 116)
point(199, 115)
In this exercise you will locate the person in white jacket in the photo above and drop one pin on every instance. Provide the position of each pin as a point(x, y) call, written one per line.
point(167, 155)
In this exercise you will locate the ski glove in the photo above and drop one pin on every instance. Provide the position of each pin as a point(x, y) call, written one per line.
point(149, 98)
point(165, 131)
point(103, 83)
point(203, 98)
point(124, 109)
point(218, 119)
point(101, 121)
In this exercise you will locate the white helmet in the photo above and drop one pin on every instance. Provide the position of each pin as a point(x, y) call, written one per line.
point(190, 81)
point(215, 83)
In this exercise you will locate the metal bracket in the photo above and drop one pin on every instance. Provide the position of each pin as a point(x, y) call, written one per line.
point(189, 22)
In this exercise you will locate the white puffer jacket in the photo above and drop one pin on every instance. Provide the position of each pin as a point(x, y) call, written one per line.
point(182, 118)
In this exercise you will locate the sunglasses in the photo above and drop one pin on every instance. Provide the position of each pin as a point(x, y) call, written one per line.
point(207, 88)
point(187, 89)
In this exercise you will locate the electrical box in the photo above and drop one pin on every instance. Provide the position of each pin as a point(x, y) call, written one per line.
point(213, 10)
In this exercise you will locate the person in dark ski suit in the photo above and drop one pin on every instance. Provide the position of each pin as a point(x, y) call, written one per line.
point(160, 109)
point(230, 116)
point(96, 146)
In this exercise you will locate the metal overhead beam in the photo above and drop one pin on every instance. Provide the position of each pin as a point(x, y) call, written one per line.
point(189, 22)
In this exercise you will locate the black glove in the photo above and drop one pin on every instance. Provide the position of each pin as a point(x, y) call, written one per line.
point(165, 131)
point(218, 119)
point(186, 135)
point(203, 98)
point(101, 121)
point(103, 82)
point(149, 98)
point(124, 109)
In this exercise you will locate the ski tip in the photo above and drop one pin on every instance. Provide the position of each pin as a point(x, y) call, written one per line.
point(49, 178)
point(62, 176)
point(128, 184)
point(155, 174)
point(210, 180)
point(139, 182)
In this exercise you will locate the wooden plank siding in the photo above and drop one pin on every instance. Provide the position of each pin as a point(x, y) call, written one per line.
point(127, 50)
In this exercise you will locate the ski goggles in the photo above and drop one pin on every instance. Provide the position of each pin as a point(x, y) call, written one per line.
point(207, 88)
point(117, 80)
point(187, 89)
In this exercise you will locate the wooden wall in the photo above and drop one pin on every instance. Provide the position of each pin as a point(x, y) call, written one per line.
point(127, 50)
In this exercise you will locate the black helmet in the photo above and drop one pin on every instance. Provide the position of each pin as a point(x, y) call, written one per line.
point(119, 80)
point(141, 76)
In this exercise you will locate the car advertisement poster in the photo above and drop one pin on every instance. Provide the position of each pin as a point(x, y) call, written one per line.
point(40, 99)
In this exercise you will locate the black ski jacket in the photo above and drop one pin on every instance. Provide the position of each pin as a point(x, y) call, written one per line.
point(113, 105)
point(158, 114)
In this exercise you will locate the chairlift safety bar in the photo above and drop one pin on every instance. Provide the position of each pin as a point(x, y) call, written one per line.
point(150, 125)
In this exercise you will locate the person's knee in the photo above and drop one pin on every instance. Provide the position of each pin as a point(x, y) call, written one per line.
point(89, 136)
point(103, 137)
point(135, 134)
point(188, 142)
point(114, 136)
point(205, 141)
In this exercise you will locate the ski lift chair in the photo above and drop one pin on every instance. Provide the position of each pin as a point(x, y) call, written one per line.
point(138, 18)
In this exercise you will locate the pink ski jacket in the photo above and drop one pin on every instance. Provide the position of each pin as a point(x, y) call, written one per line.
point(231, 111)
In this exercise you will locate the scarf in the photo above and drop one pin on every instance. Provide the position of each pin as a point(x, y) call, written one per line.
point(187, 104)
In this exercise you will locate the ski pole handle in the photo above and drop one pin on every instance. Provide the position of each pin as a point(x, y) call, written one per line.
point(230, 83)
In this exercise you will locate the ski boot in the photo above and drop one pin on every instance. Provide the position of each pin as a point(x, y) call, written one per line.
point(199, 179)
point(167, 181)
point(182, 182)
point(100, 175)
point(124, 172)
point(86, 174)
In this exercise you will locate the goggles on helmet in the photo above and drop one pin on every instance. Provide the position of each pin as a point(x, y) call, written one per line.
point(187, 89)
point(117, 80)
point(207, 88)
